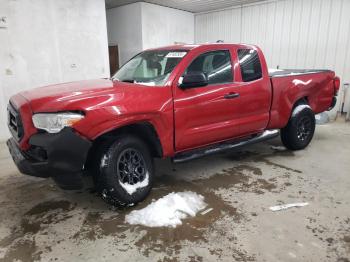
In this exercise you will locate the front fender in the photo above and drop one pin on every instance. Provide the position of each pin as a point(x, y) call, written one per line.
point(162, 124)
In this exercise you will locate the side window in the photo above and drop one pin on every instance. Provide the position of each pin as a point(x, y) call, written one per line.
point(250, 64)
point(216, 65)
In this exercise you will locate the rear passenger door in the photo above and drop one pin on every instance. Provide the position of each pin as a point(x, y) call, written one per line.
point(255, 92)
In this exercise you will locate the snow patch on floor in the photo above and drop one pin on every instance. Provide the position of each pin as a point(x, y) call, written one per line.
point(168, 211)
point(278, 148)
point(131, 189)
point(283, 207)
point(322, 118)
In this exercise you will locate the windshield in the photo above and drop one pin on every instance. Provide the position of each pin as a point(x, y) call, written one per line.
point(150, 67)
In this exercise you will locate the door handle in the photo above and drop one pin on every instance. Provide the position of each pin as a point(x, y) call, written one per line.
point(231, 95)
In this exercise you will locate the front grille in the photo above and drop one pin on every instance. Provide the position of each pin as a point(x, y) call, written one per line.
point(14, 122)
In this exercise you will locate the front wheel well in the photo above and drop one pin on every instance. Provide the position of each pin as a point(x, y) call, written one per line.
point(143, 130)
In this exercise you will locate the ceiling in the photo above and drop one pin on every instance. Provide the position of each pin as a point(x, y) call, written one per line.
point(194, 6)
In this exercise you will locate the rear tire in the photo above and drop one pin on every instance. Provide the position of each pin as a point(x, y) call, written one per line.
point(300, 129)
point(126, 171)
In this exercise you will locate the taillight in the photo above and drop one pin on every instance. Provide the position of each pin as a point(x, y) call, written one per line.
point(336, 81)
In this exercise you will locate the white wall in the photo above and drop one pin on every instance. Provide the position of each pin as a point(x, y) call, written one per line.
point(292, 33)
point(47, 42)
point(163, 26)
point(124, 26)
point(139, 26)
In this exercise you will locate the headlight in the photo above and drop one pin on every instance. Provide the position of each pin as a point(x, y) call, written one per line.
point(55, 122)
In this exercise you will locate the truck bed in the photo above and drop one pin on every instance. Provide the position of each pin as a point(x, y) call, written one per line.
point(289, 72)
point(288, 86)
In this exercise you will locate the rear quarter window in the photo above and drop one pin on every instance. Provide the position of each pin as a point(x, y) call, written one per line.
point(250, 64)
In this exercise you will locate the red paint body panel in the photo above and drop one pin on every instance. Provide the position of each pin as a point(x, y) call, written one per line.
point(108, 105)
point(203, 116)
point(318, 88)
point(183, 118)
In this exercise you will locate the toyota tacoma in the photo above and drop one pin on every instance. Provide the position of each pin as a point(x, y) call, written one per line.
point(179, 102)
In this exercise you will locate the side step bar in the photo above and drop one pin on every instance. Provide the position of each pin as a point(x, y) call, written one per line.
point(197, 153)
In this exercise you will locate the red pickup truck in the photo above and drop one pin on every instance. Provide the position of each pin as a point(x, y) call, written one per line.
point(182, 101)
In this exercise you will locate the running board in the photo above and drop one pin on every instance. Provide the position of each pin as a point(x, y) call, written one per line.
point(197, 153)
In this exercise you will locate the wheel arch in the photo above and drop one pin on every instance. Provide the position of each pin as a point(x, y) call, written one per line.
point(290, 136)
point(282, 111)
point(301, 101)
point(143, 130)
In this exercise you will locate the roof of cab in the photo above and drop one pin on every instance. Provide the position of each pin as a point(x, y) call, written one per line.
point(175, 47)
point(187, 47)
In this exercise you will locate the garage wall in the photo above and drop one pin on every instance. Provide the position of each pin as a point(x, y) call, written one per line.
point(163, 26)
point(292, 33)
point(46, 42)
point(124, 25)
point(139, 26)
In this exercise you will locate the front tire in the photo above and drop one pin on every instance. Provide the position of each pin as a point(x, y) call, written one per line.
point(126, 171)
point(300, 129)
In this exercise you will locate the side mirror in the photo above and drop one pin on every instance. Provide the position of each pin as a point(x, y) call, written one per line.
point(194, 79)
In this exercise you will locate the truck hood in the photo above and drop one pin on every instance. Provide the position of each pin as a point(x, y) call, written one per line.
point(90, 94)
point(56, 97)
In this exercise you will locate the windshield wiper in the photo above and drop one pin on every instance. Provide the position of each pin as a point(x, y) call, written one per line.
point(128, 80)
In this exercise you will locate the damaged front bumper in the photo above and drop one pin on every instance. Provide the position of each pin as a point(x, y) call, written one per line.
point(61, 156)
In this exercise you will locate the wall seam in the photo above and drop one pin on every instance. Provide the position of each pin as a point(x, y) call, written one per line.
point(290, 32)
point(308, 34)
point(328, 28)
point(317, 36)
point(56, 41)
point(338, 30)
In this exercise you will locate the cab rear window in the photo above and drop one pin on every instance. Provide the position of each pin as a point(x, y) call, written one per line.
point(250, 64)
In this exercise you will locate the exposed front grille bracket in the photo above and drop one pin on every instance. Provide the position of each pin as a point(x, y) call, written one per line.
point(14, 122)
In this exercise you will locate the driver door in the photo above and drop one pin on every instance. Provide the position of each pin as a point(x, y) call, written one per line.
point(207, 114)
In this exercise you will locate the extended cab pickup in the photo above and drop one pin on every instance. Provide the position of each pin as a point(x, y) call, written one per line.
point(181, 101)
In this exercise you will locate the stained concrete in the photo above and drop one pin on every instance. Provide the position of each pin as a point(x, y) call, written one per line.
point(41, 222)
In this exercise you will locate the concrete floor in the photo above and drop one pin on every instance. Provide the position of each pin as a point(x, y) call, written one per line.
point(41, 222)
